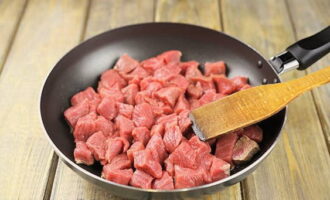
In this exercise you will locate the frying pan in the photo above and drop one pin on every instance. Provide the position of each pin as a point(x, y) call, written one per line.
point(82, 66)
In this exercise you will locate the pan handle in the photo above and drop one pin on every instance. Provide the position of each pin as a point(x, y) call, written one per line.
point(303, 53)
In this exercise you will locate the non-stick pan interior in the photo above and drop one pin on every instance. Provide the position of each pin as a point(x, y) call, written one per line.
point(82, 67)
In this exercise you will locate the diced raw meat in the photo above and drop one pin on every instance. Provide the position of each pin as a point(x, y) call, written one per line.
point(96, 143)
point(157, 129)
point(168, 120)
point(184, 120)
point(157, 147)
point(205, 82)
point(163, 183)
point(112, 79)
point(184, 156)
point(225, 146)
point(73, 113)
point(87, 94)
point(186, 177)
point(141, 134)
point(169, 166)
point(151, 84)
point(199, 146)
point(182, 104)
point(120, 161)
point(214, 68)
point(208, 97)
point(194, 103)
point(144, 161)
point(247, 86)
point(107, 108)
point(239, 81)
point(224, 85)
point(185, 65)
point(168, 71)
point(178, 81)
point(136, 146)
point(115, 146)
point(143, 115)
point(113, 93)
point(192, 71)
point(152, 64)
point(253, 132)
point(195, 90)
point(125, 110)
point(219, 96)
point(129, 93)
point(125, 126)
point(141, 179)
point(140, 72)
point(172, 56)
point(172, 138)
point(169, 95)
point(104, 125)
point(82, 154)
point(126, 64)
point(244, 150)
point(219, 169)
point(121, 176)
point(85, 127)
point(142, 96)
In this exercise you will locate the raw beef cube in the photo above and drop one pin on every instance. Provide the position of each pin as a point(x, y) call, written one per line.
point(144, 161)
point(157, 147)
point(140, 72)
point(168, 120)
point(163, 183)
point(113, 93)
point(166, 72)
point(225, 146)
point(96, 143)
point(172, 138)
point(169, 95)
point(141, 134)
point(219, 169)
point(152, 64)
point(195, 90)
point(88, 94)
point(141, 179)
point(143, 115)
point(115, 146)
point(178, 81)
point(205, 161)
point(205, 82)
point(214, 68)
point(244, 150)
point(112, 79)
point(224, 85)
point(107, 108)
point(120, 161)
point(253, 132)
point(172, 56)
point(125, 109)
point(126, 64)
point(142, 97)
point(129, 93)
point(184, 156)
point(85, 127)
point(136, 146)
point(239, 81)
point(121, 176)
point(157, 129)
point(192, 71)
point(208, 97)
point(169, 166)
point(194, 103)
point(181, 104)
point(199, 146)
point(82, 154)
point(125, 126)
point(184, 120)
point(104, 125)
point(186, 177)
point(219, 96)
point(73, 113)
point(185, 65)
point(147, 81)
point(247, 86)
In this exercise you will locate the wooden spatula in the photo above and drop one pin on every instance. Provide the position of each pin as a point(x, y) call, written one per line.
point(252, 105)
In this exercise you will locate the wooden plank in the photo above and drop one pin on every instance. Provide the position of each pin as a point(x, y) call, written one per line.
point(46, 32)
point(67, 184)
point(298, 168)
point(308, 17)
point(203, 13)
point(11, 13)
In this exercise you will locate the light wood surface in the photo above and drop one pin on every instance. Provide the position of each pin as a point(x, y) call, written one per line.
point(36, 33)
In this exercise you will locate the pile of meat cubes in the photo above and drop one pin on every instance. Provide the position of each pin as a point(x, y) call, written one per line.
point(136, 123)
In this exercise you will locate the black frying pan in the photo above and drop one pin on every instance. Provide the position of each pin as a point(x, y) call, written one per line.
point(82, 66)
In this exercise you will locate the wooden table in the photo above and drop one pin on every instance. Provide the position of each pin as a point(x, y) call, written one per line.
point(34, 34)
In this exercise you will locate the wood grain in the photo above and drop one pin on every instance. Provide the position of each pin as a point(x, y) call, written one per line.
point(308, 17)
point(298, 168)
point(47, 30)
point(11, 13)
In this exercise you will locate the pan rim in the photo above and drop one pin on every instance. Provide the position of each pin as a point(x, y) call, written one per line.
point(78, 169)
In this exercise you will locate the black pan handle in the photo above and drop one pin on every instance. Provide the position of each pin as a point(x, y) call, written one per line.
point(303, 53)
